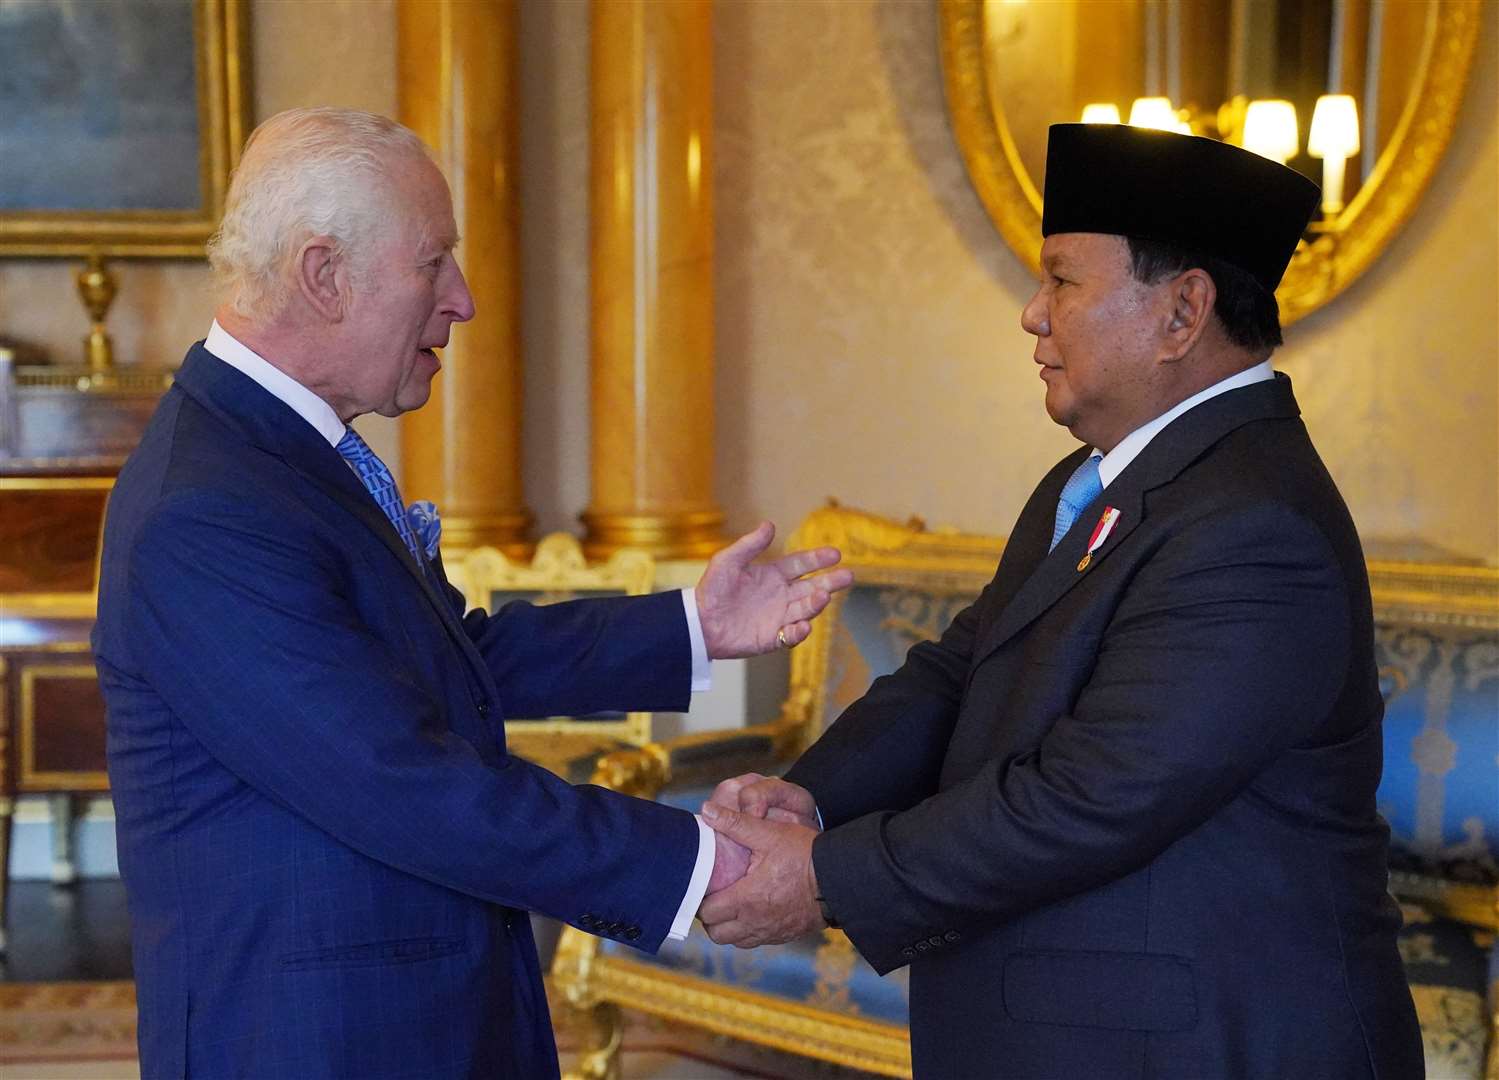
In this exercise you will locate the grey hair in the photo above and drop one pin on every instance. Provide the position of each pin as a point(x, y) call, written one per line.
point(304, 173)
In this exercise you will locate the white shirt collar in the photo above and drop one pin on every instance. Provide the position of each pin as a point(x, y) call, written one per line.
point(1113, 463)
point(276, 382)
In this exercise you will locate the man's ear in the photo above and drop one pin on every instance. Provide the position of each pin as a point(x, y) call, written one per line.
point(1193, 295)
point(322, 277)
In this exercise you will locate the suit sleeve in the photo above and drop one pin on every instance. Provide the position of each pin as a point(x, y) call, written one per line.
point(585, 656)
point(238, 622)
point(885, 751)
point(626, 653)
point(1229, 647)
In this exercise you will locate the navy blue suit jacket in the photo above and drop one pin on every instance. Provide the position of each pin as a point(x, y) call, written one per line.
point(1120, 819)
point(328, 853)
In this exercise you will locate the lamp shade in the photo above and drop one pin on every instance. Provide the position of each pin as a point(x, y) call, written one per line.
point(1334, 127)
point(1156, 112)
point(1105, 113)
point(1270, 129)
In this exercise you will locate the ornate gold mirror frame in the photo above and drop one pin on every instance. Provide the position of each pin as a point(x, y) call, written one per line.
point(1322, 268)
point(221, 62)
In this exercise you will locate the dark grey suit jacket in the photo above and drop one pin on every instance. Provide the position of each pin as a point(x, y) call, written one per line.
point(1120, 820)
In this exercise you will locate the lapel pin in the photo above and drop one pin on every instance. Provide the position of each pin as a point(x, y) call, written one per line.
point(1100, 534)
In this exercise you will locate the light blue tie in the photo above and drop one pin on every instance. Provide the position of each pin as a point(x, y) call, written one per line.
point(378, 481)
point(1081, 488)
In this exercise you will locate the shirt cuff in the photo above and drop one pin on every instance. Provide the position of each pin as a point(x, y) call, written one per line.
point(707, 852)
point(702, 667)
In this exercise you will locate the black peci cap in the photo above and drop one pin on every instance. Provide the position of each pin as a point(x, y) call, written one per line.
point(1186, 190)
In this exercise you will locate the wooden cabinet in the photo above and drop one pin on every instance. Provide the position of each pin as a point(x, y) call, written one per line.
point(51, 710)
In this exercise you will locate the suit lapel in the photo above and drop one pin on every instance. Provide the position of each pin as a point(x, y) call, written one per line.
point(271, 425)
point(1179, 444)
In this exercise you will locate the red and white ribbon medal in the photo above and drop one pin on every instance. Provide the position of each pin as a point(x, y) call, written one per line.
point(1100, 534)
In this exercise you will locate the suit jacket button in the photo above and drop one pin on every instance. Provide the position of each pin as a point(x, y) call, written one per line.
point(631, 933)
point(484, 709)
point(935, 941)
point(922, 946)
point(615, 927)
point(908, 952)
point(586, 921)
point(952, 935)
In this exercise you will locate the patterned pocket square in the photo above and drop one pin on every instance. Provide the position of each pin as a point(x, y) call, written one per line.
point(427, 524)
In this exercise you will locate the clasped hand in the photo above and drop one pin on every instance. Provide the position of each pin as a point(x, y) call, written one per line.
point(764, 889)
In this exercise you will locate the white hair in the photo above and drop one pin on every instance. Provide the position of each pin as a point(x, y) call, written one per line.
point(304, 173)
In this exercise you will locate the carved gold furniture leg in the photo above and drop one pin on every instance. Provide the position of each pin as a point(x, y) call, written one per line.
point(599, 1059)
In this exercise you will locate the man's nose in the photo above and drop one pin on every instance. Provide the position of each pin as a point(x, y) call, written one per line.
point(459, 301)
point(1033, 317)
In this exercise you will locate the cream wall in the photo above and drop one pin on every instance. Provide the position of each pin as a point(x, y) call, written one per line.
point(868, 336)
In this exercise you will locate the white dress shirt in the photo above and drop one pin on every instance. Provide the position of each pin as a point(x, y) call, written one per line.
point(1114, 462)
point(321, 416)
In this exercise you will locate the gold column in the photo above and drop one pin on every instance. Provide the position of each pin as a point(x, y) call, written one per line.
point(456, 67)
point(651, 279)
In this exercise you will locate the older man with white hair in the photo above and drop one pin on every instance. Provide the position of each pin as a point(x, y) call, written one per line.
point(327, 851)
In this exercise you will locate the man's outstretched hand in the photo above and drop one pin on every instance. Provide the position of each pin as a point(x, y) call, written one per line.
point(744, 605)
point(776, 900)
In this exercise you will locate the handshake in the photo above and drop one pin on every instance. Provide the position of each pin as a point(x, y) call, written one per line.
point(763, 890)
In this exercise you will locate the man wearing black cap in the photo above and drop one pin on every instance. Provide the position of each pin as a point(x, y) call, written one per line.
point(1119, 820)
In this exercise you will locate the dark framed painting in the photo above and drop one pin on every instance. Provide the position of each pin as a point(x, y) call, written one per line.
point(120, 122)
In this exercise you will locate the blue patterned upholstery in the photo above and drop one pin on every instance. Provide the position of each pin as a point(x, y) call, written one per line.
point(1440, 794)
point(1440, 791)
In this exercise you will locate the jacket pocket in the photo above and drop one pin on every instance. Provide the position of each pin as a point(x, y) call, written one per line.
point(372, 953)
point(1118, 991)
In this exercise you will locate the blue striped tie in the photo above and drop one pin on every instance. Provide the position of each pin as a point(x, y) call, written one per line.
point(379, 483)
point(1081, 488)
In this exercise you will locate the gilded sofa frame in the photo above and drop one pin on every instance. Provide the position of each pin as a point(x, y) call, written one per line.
point(595, 986)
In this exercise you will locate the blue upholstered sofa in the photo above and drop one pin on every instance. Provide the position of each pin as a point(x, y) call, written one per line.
point(1438, 642)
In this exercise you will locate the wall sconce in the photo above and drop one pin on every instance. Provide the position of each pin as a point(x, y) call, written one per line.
point(1334, 139)
point(1156, 112)
point(1270, 130)
point(1105, 113)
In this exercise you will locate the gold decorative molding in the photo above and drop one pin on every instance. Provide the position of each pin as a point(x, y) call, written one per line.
point(686, 535)
point(1435, 593)
point(56, 483)
point(1322, 268)
point(786, 1025)
point(6, 804)
point(31, 778)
